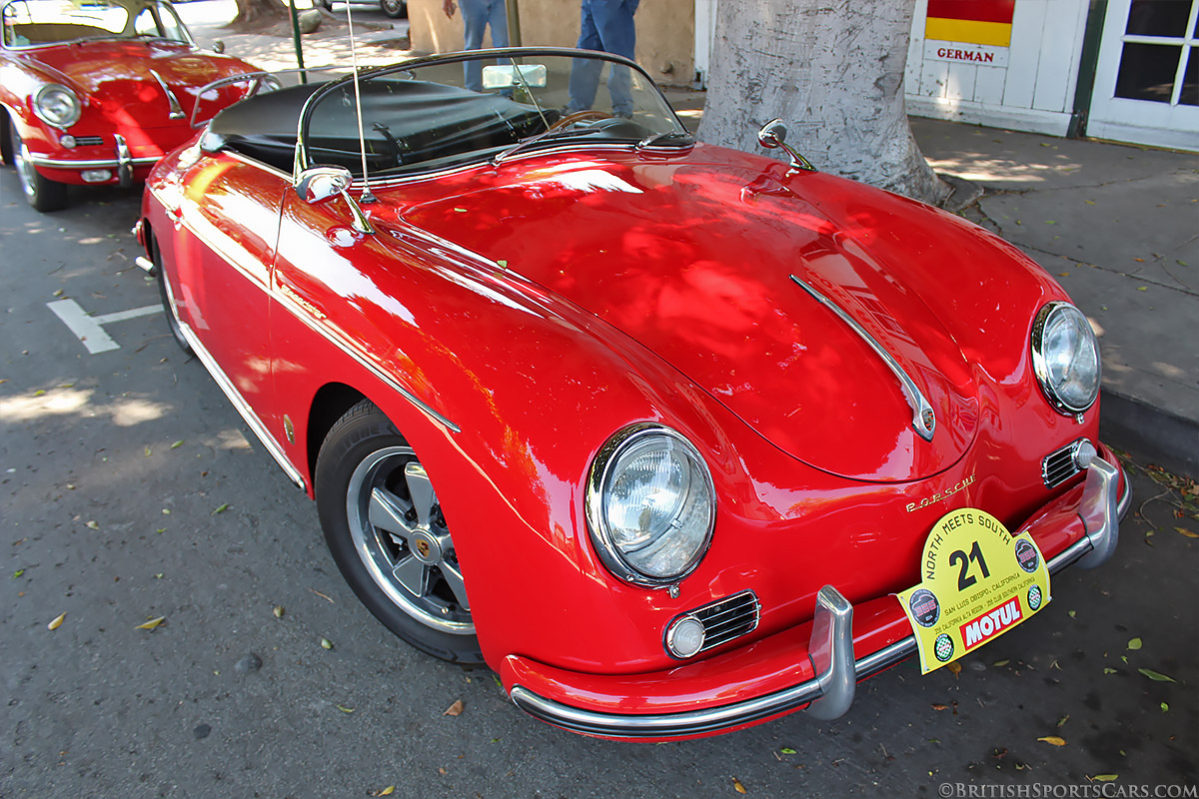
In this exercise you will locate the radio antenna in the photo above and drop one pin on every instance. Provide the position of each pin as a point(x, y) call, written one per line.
point(367, 196)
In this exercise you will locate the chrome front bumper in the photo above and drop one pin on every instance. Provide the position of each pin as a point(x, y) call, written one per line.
point(124, 163)
point(830, 694)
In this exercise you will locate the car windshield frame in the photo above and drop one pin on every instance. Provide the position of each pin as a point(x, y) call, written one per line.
point(516, 108)
point(132, 9)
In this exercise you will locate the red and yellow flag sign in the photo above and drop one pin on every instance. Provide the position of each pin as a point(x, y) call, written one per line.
point(971, 21)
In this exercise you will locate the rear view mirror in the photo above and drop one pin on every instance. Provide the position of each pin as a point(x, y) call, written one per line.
point(509, 76)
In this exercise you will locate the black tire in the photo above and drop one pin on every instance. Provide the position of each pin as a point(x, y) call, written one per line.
point(168, 309)
point(371, 493)
point(394, 8)
point(43, 194)
point(6, 151)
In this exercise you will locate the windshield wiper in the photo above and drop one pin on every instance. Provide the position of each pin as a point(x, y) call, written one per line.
point(548, 133)
point(671, 138)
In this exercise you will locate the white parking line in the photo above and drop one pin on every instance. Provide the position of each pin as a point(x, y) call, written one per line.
point(90, 329)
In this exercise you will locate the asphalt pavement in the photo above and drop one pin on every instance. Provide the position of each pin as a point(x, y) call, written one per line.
point(206, 645)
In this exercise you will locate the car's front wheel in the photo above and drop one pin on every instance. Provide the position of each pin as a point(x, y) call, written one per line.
point(384, 526)
point(394, 8)
point(43, 194)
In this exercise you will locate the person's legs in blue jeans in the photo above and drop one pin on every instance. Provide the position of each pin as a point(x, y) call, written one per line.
point(585, 72)
point(476, 14)
point(607, 25)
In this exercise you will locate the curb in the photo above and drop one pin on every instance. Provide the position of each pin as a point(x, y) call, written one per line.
point(1169, 440)
point(963, 193)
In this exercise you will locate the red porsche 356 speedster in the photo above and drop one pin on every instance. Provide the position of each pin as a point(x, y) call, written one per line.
point(96, 91)
point(664, 433)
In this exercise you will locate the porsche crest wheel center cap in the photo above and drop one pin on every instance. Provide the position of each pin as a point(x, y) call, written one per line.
point(426, 549)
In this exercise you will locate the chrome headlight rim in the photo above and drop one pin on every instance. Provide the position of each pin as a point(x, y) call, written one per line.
point(1040, 366)
point(43, 95)
point(597, 526)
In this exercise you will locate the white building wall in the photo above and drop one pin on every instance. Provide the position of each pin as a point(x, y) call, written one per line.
point(1026, 86)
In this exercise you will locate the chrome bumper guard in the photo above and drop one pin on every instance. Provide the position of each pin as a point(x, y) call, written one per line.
point(830, 647)
point(124, 162)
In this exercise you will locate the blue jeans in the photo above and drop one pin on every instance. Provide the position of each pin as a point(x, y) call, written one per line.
point(476, 16)
point(607, 25)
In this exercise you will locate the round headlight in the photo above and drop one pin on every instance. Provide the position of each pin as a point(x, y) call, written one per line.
point(57, 105)
point(1065, 357)
point(651, 505)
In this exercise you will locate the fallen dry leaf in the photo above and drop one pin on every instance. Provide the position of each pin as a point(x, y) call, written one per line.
point(955, 667)
point(388, 791)
point(1156, 676)
point(454, 709)
point(151, 624)
point(738, 787)
point(939, 706)
point(1053, 740)
point(278, 611)
point(1105, 778)
point(56, 622)
point(1134, 643)
point(1187, 532)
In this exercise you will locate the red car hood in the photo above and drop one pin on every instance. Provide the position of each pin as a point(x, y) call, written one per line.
point(696, 265)
point(116, 73)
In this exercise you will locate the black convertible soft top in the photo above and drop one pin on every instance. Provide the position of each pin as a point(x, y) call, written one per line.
point(405, 122)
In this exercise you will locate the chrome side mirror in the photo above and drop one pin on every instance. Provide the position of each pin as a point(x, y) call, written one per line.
point(218, 46)
point(774, 134)
point(319, 183)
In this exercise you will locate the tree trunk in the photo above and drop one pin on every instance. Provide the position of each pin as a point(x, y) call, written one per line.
point(833, 71)
point(250, 12)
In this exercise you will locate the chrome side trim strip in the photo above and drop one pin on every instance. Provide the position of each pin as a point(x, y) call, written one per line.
point(924, 420)
point(243, 408)
point(297, 311)
point(836, 650)
point(234, 396)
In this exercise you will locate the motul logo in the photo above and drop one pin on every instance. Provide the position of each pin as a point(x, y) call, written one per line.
point(991, 623)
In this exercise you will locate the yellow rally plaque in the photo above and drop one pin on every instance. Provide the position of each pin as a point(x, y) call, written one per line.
point(978, 582)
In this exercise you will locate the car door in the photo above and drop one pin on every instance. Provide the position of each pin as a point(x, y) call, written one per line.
point(226, 239)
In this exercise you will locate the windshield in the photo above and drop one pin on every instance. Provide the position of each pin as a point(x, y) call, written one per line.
point(446, 111)
point(35, 23)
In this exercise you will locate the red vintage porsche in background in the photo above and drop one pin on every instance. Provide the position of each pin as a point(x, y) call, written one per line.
point(96, 91)
point(657, 430)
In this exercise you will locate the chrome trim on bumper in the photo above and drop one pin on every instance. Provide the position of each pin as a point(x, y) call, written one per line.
point(58, 163)
point(830, 694)
point(831, 650)
point(124, 161)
